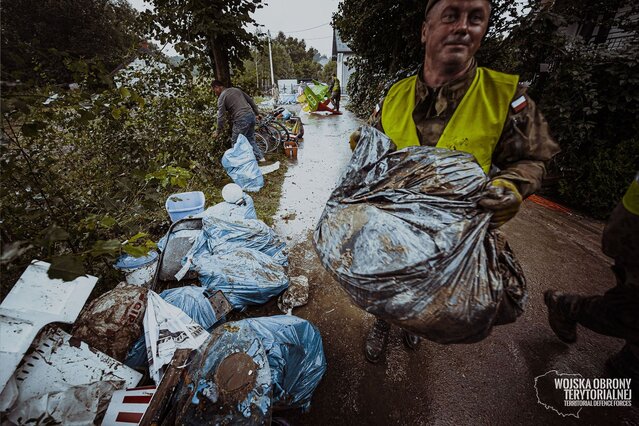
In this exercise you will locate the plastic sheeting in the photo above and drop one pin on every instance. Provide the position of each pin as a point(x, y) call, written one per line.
point(74, 406)
point(405, 238)
point(245, 260)
point(241, 165)
point(231, 211)
point(228, 381)
point(295, 355)
point(166, 329)
point(193, 302)
point(190, 300)
point(113, 321)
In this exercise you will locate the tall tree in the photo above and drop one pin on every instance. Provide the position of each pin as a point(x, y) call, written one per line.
point(305, 66)
point(215, 31)
point(42, 39)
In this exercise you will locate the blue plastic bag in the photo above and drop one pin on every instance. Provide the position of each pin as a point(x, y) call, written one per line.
point(244, 259)
point(230, 211)
point(137, 357)
point(295, 355)
point(246, 276)
point(193, 302)
point(286, 114)
point(205, 398)
point(241, 165)
point(221, 235)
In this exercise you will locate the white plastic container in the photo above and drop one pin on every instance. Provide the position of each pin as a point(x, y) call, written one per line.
point(138, 270)
point(184, 204)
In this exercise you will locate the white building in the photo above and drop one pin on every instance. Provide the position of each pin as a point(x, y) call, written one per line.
point(341, 53)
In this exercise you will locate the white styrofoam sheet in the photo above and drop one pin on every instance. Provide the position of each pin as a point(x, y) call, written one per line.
point(34, 301)
point(58, 363)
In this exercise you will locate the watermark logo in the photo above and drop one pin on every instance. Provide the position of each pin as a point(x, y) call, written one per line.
point(567, 394)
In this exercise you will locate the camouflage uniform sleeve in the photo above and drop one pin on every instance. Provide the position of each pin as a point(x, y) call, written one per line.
point(375, 119)
point(525, 147)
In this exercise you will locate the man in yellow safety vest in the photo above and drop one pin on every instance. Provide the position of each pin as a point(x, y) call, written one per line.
point(336, 92)
point(452, 103)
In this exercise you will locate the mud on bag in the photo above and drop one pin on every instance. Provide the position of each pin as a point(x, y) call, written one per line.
point(241, 165)
point(403, 235)
point(246, 260)
point(296, 357)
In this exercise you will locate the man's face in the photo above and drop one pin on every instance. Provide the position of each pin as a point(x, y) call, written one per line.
point(453, 30)
point(217, 90)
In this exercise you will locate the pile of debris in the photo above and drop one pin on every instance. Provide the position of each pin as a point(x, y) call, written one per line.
point(158, 347)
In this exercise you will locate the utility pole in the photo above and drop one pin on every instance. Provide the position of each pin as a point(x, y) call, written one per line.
point(257, 75)
point(270, 54)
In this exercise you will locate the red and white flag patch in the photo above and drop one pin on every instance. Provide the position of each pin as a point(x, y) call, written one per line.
point(519, 104)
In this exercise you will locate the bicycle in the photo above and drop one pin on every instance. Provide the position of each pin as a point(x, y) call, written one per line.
point(274, 132)
point(261, 143)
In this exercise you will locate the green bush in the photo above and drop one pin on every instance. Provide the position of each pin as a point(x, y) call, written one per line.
point(591, 102)
point(85, 175)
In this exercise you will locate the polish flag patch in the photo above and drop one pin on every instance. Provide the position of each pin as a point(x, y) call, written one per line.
point(519, 104)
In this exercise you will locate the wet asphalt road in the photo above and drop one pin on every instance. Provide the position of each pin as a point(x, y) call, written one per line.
point(487, 383)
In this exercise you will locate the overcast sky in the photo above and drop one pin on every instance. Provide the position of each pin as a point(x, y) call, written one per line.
point(303, 19)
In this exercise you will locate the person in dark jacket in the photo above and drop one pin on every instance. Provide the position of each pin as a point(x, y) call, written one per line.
point(616, 312)
point(234, 104)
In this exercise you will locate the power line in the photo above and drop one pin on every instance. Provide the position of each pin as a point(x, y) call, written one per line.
point(317, 38)
point(306, 29)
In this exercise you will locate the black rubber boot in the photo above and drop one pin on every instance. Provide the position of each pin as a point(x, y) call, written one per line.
point(376, 341)
point(411, 341)
point(564, 327)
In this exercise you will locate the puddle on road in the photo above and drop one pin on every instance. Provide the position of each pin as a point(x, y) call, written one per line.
point(310, 180)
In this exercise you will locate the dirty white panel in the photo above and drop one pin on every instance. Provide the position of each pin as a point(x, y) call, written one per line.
point(59, 363)
point(34, 301)
point(35, 291)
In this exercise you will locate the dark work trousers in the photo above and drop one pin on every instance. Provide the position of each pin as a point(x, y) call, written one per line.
point(335, 97)
point(616, 312)
point(245, 125)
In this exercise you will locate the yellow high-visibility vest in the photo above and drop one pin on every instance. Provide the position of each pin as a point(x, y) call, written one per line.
point(476, 124)
point(631, 199)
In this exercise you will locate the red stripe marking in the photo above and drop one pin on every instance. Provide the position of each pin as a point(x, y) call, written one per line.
point(548, 204)
point(142, 388)
point(129, 417)
point(521, 106)
point(139, 399)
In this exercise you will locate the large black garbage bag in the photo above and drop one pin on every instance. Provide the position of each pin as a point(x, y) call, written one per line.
point(403, 235)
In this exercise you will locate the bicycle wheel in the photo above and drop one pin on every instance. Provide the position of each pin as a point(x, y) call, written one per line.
point(271, 135)
point(261, 142)
point(275, 138)
point(281, 129)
